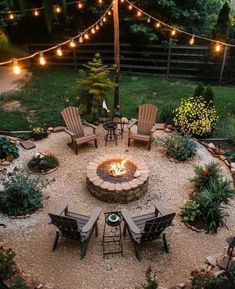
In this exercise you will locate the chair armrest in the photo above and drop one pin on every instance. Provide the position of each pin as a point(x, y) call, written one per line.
point(63, 208)
point(160, 209)
point(69, 132)
point(93, 219)
point(90, 125)
point(131, 124)
point(130, 223)
point(154, 128)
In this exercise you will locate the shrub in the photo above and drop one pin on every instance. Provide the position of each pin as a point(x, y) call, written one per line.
point(7, 148)
point(18, 283)
point(151, 282)
point(6, 263)
point(190, 211)
point(212, 192)
point(21, 194)
point(204, 175)
point(39, 133)
point(179, 147)
point(202, 279)
point(209, 95)
point(195, 117)
point(199, 90)
point(41, 163)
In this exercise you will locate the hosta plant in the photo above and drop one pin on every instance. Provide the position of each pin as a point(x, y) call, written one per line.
point(21, 194)
point(190, 211)
point(7, 148)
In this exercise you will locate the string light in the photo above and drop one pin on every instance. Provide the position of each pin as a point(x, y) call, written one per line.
point(149, 20)
point(86, 36)
point(58, 9)
point(173, 32)
point(109, 13)
point(139, 13)
point(100, 1)
point(218, 47)
point(192, 40)
point(97, 27)
point(130, 7)
point(80, 5)
point(93, 31)
point(72, 43)
point(11, 16)
point(36, 12)
point(59, 51)
point(158, 25)
point(42, 59)
point(16, 67)
point(80, 40)
point(104, 19)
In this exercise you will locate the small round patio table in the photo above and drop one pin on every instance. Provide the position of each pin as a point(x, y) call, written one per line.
point(111, 135)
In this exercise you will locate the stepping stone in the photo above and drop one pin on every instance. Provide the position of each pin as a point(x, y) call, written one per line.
point(28, 144)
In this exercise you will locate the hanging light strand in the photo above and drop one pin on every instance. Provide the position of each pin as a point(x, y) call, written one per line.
point(84, 33)
point(174, 29)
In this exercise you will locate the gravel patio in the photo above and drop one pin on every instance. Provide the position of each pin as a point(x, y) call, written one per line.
point(32, 238)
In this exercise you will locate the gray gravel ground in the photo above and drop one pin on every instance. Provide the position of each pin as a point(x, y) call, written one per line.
point(32, 238)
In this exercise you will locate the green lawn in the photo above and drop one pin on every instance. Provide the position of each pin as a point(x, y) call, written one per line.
point(44, 96)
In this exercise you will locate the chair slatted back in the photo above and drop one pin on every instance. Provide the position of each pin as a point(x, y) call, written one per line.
point(67, 226)
point(154, 227)
point(146, 118)
point(71, 116)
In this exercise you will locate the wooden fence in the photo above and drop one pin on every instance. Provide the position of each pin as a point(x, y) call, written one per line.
point(180, 61)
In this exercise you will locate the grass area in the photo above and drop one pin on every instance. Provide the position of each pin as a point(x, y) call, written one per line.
point(44, 96)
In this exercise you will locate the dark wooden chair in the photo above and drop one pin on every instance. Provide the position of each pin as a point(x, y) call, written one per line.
point(75, 226)
point(147, 227)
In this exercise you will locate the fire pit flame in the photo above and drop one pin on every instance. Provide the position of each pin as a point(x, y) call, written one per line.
point(118, 169)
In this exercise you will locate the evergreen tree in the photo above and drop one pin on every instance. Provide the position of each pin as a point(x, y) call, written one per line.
point(222, 26)
point(93, 85)
point(199, 90)
point(209, 95)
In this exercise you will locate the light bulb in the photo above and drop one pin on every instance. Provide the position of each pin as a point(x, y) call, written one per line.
point(109, 13)
point(100, 1)
point(11, 16)
point(192, 40)
point(59, 52)
point(58, 9)
point(139, 13)
point(16, 67)
point(80, 6)
point(97, 27)
point(130, 7)
point(80, 39)
point(104, 19)
point(36, 12)
point(42, 59)
point(149, 20)
point(72, 43)
point(93, 31)
point(158, 24)
point(217, 47)
point(86, 36)
point(173, 32)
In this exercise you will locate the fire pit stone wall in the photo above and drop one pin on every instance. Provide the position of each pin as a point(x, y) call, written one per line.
point(117, 190)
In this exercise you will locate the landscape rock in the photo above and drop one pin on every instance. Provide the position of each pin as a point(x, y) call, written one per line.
point(212, 259)
point(211, 146)
point(5, 163)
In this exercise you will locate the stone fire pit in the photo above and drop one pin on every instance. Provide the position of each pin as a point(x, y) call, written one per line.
point(117, 178)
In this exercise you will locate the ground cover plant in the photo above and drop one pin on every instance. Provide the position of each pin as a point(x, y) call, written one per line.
point(46, 94)
point(180, 147)
point(8, 149)
point(21, 194)
point(205, 209)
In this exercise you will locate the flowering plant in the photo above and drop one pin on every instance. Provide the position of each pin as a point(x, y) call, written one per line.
point(39, 133)
point(6, 263)
point(194, 116)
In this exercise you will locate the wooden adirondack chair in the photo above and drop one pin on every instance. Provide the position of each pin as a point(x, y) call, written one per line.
point(147, 227)
point(74, 127)
point(75, 226)
point(146, 125)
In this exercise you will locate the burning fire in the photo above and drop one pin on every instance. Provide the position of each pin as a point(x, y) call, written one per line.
point(118, 169)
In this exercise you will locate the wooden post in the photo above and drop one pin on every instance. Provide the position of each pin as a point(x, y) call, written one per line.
point(116, 52)
point(169, 58)
point(223, 64)
point(75, 58)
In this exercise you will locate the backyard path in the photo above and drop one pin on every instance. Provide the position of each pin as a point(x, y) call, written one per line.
point(32, 238)
point(10, 81)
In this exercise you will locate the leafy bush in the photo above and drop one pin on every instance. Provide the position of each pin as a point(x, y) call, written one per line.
point(201, 279)
point(179, 147)
point(41, 163)
point(6, 263)
point(199, 90)
point(207, 94)
point(151, 282)
point(195, 117)
point(18, 283)
point(21, 194)
point(212, 192)
point(39, 133)
point(204, 175)
point(7, 148)
point(190, 211)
